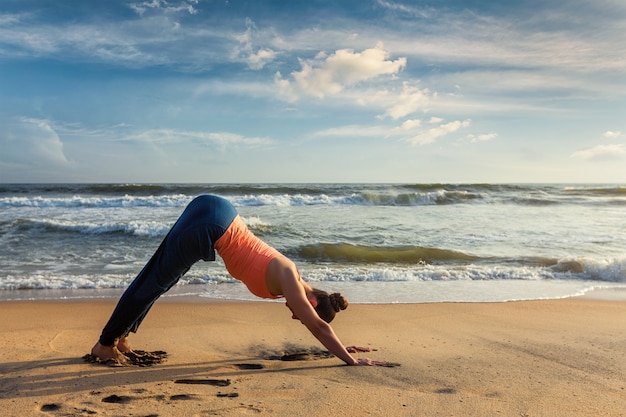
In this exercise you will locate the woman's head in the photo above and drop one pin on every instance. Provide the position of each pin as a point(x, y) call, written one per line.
point(329, 304)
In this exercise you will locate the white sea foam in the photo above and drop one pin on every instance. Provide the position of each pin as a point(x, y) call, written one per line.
point(384, 198)
point(144, 228)
point(91, 202)
point(611, 270)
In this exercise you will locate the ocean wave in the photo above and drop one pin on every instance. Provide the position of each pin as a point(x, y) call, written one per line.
point(38, 281)
point(359, 198)
point(244, 195)
point(597, 273)
point(436, 197)
point(144, 228)
point(419, 255)
point(611, 190)
point(245, 200)
point(459, 265)
point(608, 271)
point(147, 229)
point(94, 202)
point(611, 270)
point(345, 252)
point(196, 189)
point(189, 189)
point(535, 201)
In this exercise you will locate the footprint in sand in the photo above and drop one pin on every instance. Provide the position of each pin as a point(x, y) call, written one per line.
point(117, 399)
point(445, 391)
point(50, 407)
point(178, 397)
point(227, 394)
point(135, 358)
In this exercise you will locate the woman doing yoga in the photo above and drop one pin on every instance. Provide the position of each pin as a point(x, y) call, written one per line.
point(209, 224)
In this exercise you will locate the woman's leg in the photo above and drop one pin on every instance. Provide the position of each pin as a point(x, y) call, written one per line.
point(204, 220)
point(153, 281)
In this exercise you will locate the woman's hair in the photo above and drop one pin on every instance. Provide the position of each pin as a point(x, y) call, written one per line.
point(329, 304)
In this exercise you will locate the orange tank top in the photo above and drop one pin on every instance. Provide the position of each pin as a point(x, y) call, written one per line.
point(246, 257)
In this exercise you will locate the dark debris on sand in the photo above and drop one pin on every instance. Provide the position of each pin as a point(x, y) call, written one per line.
point(135, 358)
point(204, 381)
point(248, 366)
point(295, 353)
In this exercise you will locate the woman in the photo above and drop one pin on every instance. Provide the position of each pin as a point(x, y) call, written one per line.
point(211, 223)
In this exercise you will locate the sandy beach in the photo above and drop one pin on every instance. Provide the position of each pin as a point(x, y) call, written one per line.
point(532, 358)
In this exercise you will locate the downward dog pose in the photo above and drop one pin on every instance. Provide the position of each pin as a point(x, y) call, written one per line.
point(209, 224)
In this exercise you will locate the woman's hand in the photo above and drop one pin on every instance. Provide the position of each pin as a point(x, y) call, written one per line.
point(371, 362)
point(355, 349)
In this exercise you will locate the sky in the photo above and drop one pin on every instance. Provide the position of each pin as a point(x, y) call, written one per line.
point(440, 91)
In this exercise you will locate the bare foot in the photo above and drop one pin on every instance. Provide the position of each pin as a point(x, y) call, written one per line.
point(123, 345)
point(108, 352)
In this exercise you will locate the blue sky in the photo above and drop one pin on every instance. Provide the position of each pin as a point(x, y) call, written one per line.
point(316, 91)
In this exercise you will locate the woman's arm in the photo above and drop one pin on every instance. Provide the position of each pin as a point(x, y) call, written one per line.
point(283, 278)
point(325, 334)
point(295, 295)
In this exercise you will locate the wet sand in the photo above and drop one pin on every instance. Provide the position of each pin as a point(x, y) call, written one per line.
point(530, 358)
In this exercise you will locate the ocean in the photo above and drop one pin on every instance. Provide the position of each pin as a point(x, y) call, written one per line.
point(374, 243)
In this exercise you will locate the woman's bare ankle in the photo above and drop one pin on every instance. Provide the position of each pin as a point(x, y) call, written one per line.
point(123, 345)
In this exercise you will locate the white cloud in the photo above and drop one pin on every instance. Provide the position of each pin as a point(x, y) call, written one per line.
point(285, 89)
point(482, 138)
point(355, 131)
point(9, 19)
point(410, 100)
point(395, 104)
point(165, 6)
point(410, 124)
point(24, 42)
point(612, 135)
point(434, 120)
point(601, 152)
point(411, 10)
point(258, 59)
point(330, 75)
point(409, 131)
point(435, 133)
point(245, 51)
point(31, 141)
point(158, 37)
point(165, 136)
point(548, 39)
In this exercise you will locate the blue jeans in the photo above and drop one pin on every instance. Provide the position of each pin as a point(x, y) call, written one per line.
point(191, 239)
